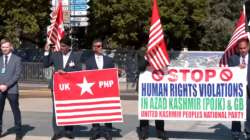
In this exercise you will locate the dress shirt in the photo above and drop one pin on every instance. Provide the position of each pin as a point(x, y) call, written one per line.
point(246, 59)
point(99, 61)
point(9, 55)
point(66, 58)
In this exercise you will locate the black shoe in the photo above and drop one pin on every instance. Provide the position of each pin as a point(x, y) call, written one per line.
point(107, 136)
point(143, 133)
point(247, 135)
point(69, 134)
point(56, 136)
point(162, 135)
point(19, 137)
point(142, 138)
point(95, 135)
point(236, 135)
point(237, 138)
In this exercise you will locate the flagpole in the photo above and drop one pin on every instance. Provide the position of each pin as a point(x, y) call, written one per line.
point(70, 28)
point(244, 11)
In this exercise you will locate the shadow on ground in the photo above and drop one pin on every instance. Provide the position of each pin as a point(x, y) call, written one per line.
point(12, 130)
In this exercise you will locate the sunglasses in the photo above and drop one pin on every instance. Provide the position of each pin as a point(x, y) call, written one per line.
point(98, 46)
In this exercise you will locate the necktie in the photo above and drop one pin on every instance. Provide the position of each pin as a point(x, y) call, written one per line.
point(6, 60)
point(243, 60)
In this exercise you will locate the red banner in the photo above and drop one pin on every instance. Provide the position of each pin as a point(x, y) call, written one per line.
point(86, 97)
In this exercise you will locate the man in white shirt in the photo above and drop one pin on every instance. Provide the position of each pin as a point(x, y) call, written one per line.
point(10, 71)
point(242, 60)
point(99, 61)
point(63, 61)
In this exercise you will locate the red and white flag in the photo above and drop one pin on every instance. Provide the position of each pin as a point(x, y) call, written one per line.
point(87, 97)
point(238, 34)
point(156, 53)
point(56, 31)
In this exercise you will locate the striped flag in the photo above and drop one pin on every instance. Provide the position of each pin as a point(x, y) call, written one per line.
point(87, 97)
point(156, 53)
point(238, 34)
point(56, 31)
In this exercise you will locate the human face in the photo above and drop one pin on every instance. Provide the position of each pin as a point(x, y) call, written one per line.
point(243, 48)
point(97, 47)
point(6, 48)
point(64, 48)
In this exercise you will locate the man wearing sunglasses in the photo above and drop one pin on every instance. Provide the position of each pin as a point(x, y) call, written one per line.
point(99, 61)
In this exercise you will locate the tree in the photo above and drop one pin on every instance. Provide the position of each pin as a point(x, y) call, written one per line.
point(125, 23)
point(219, 24)
point(23, 19)
point(195, 24)
point(181, 19)
point(120, 22)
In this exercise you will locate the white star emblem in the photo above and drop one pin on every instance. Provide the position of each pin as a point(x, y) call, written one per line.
point(86, 87)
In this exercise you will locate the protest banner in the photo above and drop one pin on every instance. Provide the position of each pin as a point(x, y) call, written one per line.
point(87, 97)
point(208, 94)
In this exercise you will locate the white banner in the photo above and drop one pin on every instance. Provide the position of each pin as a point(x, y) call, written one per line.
point(208, 94)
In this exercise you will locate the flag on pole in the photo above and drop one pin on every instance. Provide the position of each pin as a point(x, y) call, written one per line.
point(156, 53)
point(238, 34)
point(87, 97)
point(55, 30)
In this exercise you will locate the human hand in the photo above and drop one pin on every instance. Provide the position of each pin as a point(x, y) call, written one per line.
point(3, 88)
point(242, 66)
point(61, 71)
point(47, 47)
point(120, 72)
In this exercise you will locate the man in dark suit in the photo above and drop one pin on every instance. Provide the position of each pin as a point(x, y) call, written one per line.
point(63, 61)
point(99, 61)
point(242, 60)
point(144, 124)
point(10, 66)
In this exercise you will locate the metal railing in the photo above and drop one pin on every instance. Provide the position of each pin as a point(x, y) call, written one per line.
point(35, 72)
point(127, 61)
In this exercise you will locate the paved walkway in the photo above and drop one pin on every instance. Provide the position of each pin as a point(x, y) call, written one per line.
point(36, 117)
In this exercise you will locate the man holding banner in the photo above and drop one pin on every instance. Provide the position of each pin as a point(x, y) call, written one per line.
point(158, 58)
point(144, 124)
point(241, 60)
point(99, 61)
point(63, 61)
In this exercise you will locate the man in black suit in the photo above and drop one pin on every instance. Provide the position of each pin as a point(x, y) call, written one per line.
point(99, 61)
point(63, 61)
point(242, 60)
point(10, 66)
point(144, 124)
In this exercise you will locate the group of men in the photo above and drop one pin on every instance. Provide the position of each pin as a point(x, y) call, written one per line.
point(67, 60)
point(61, 62)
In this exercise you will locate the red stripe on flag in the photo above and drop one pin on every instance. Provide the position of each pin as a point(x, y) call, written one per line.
point(89, 103)
point(89, 115)
point(156, 49)
point(88, 109)
point(56, 31)
point(90, 121)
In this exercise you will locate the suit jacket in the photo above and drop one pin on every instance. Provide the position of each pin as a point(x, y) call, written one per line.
point(234, 60)
point(91, 63)
point(12, 73)
point(56, 59)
